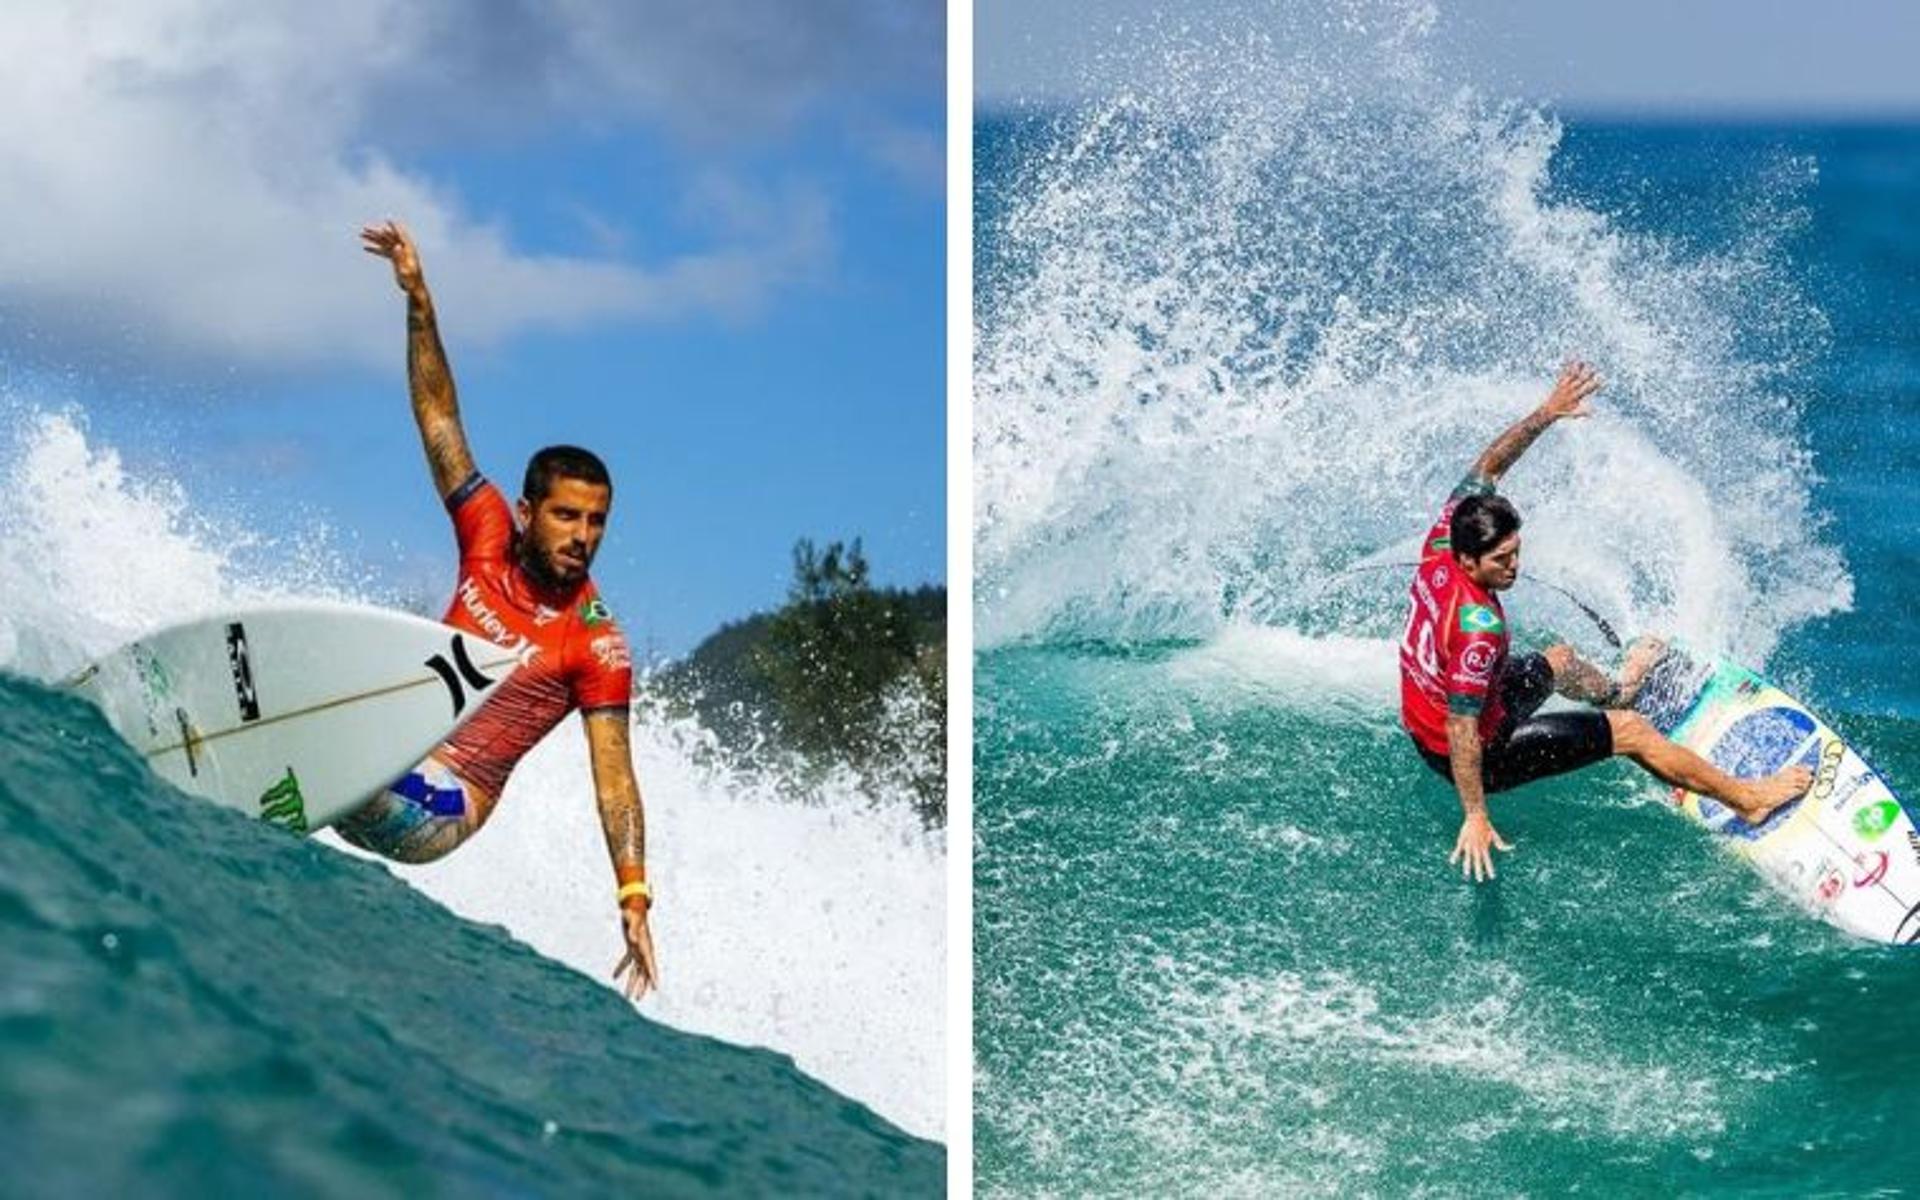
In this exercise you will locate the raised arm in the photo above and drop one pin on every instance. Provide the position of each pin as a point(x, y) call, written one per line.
point(624, 821)
point(1568, 399)
point(428, 377)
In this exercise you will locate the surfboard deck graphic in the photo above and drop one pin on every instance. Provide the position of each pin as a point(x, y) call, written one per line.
point(1847, 850)
point(295, 713)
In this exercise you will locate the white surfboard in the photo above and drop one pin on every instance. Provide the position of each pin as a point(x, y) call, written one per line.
point(296, 713)
point(1847, 850)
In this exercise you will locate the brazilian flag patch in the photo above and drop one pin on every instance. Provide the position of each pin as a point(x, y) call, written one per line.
point(1478, 618)
point(594, 612)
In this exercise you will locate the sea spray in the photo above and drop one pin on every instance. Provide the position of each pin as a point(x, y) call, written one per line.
point(1235, 339)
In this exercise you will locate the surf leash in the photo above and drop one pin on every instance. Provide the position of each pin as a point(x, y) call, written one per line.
point(1600, 622)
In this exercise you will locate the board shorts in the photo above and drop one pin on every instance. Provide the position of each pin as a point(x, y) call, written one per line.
point(1531, 745)
point(419, 817)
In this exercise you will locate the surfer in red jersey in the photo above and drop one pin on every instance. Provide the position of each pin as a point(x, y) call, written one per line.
point(1471, 707)
point(524, 586)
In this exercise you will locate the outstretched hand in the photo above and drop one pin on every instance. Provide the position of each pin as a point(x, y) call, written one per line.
point(1474, 848)
point(1578, 380)
point(390, 241)
point(636, 972)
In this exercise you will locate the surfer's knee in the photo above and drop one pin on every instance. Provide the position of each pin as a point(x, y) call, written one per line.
point(434, 846)
point(1565, 663)
point(1633, 734)
point(399, 827)
point(1561, 658)
point(421, 846)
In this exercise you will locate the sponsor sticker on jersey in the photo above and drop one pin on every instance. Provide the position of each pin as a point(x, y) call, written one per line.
point(1477, 661)
point(1478, 618)
point(611, 650)
point(1424, 595)
point(475, 602)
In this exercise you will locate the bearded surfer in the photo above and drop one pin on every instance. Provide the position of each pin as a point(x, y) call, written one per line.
point(524, 586)
point(1471, 707)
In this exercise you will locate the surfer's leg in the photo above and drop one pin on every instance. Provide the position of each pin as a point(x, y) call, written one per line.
point(1553, 744)
point(1525, 684)
point(420, 817)
point(1577, 679)
point(1675, 765)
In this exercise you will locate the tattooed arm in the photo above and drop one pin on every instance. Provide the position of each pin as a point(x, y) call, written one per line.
point(1473, 849)
point(625, 824)
point(1568, 399)
point(428, 376)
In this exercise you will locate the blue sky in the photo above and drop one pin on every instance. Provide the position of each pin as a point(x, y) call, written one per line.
point(1723, 58)
point(707, 243)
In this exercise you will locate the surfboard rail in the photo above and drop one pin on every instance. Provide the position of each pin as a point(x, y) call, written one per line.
point(254, 708)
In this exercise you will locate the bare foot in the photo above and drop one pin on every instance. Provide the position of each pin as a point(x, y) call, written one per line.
point(1641, 656)
point(1760, 797)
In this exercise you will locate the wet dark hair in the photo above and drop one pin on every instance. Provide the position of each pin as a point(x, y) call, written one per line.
point(1480, 523)
point(562, 462)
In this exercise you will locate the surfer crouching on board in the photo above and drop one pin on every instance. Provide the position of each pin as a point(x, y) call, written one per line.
point(1471, 708)
point(527, 589)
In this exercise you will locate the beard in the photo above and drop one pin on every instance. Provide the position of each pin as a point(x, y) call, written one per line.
point(546, 570)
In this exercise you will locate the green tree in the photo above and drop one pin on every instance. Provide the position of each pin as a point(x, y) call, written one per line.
point(843, 675)
point(831, 653)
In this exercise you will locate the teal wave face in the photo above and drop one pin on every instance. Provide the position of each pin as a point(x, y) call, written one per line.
point(1219, 950)
point(191, 1002)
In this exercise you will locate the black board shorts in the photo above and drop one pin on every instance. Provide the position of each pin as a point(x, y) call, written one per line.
point(1529, 746)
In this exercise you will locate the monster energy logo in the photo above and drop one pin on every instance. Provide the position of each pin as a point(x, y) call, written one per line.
point(283, 805)
point(1478, 618)
point(153, 674)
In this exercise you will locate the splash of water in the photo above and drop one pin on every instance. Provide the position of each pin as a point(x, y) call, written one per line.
point(814, 928)
point(1246, 328)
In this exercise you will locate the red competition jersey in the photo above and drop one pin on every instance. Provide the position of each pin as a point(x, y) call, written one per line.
point(579, 658)
point(1456, 641)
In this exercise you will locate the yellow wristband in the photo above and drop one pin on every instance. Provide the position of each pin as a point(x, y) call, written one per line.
point(637, 888)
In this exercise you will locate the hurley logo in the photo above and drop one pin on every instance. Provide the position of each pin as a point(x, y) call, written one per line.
point(491, 624)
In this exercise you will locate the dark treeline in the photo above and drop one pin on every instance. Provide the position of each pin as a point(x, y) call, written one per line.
point(844, 673)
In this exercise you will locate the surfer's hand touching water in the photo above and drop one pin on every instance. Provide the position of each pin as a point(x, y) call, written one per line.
point(1474, 848)
point(640, 973)
point(1478, 839)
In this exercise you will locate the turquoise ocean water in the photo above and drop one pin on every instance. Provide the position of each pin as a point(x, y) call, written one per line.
point(1239, 333)
point(193, 1003)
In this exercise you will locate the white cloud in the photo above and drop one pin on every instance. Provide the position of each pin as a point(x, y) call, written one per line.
point(192, 172)
point(915, 155)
